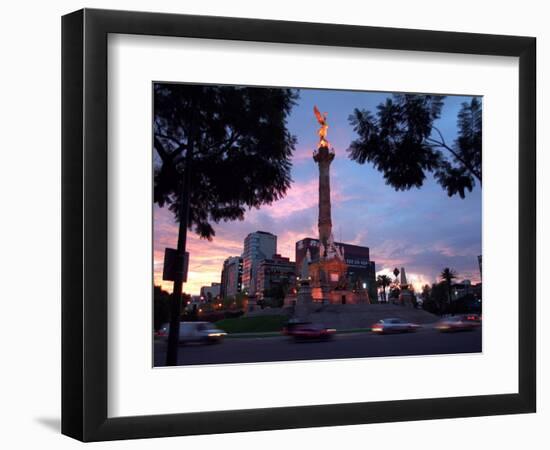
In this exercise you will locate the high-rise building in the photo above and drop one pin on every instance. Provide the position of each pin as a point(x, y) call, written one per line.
point(361, 271)
point(232, 276)
point(277, 271)
point(258, 246)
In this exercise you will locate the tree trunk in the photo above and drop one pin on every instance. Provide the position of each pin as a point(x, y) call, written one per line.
point(183, 214)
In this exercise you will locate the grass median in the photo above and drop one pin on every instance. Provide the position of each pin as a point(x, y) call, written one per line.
point(257, 324)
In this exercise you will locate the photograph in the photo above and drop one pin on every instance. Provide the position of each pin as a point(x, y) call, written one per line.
point(275, 225)
point(299, 224)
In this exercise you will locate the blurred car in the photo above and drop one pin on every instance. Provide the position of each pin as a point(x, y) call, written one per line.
point(200, 332)
point(455, 323)
point(309, 331)
point(162, 332)
point(476, 318)
point(394, 326)
point(292, 324)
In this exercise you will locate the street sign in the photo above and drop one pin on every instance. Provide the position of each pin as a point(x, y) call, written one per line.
point(175, 264)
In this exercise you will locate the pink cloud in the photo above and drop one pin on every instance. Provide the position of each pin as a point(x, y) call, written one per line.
point(206, 258)
point(418, 280)
point(300, 197)
point(286, 242)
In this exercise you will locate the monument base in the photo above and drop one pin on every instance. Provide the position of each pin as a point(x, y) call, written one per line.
point(339, 296)
point(303, 303)
point(406, 298)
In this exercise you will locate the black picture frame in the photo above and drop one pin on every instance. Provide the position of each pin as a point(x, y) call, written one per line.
point(84, 224)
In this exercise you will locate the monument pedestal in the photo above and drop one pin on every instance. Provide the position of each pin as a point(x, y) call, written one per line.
point(329, 284)
point(304, 302)
point(406, 297)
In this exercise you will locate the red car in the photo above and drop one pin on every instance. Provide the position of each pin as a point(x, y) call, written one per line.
point(309, 331)
point(476, 318)
point(162, 332)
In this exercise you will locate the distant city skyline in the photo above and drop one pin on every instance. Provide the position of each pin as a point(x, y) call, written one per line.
point(422, 230)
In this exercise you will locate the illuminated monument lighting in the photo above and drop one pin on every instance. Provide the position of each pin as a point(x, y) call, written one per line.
point(329, 283)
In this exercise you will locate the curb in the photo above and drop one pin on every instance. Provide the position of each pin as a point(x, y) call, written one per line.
point(279, 334)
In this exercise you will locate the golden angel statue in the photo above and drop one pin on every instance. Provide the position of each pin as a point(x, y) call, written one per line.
point(322, 119)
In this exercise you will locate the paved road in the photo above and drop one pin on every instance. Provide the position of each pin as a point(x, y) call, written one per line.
point(352, 345)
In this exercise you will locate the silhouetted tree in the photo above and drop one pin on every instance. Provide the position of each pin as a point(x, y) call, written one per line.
point(402, 142)
point(161, 307)
point(394, 292)
point(383, 281)
point(428, 303)
point(275, 295)
point(448, 275)
point(241, 149)
point(439, 296)
point(219, 150)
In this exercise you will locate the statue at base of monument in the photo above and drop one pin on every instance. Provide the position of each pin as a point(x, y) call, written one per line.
point(304, 299)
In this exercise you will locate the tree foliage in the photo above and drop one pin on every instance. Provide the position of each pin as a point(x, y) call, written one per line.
point(434, 298)
point(161, 307)
point(240, 149)
point(448, 275)
point(402, 142)
point(383, 281)
point(235, 301)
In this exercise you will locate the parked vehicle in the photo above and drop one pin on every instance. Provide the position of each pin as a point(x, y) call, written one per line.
point(393, 326)
point(201, 332)
point(304, 331)
point(455, 323)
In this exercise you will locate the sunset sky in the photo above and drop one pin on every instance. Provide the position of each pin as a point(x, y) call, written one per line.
point(422, 230)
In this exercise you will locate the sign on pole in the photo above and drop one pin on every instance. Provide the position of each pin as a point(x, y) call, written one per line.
point(175, 264)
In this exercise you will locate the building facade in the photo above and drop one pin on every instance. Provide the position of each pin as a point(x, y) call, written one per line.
point(258, 246)
point(211, 292)
point(361, 271)
point(275, 272)
point(232, 277)
point(465, 287)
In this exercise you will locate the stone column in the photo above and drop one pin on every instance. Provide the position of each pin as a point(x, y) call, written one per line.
point(323, 157)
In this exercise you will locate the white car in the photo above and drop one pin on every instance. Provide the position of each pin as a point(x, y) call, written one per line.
point(393, 326)
point(204, 332)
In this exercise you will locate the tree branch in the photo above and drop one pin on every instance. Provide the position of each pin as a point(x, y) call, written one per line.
point(166, 156)
point(169, 138)
point(221, 146)
point(455, 154)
